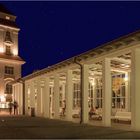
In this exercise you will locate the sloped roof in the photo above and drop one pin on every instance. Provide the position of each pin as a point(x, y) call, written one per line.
point(8, 23)
point(5, 10)
point(123, 41)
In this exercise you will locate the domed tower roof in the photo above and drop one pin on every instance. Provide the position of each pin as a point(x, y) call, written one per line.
point(7, 18)
point(3, 9)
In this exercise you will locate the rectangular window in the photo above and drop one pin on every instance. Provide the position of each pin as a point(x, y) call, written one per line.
point(9, 70)
point(8, 89)
point(8, 50)
point(60, 96)
point(76, 95)
point(98, 90)
point(90, 95)
point(119, 91)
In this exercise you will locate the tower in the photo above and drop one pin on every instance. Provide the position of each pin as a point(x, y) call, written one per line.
point(10, 62)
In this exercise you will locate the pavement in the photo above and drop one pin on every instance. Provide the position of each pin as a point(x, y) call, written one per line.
point(24, 127)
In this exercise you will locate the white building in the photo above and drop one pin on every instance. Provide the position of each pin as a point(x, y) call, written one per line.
point(106, 78)
point(10, 62)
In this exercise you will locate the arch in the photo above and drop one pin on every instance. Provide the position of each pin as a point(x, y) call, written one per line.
point(8, 90)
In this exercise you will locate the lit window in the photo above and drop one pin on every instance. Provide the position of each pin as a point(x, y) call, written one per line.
point(119, 91)
point(8, 50)
point(1, 49)
point(9, 70)
point(76, 95)
point(98, 89)
point(7, 17)
point(90, 95)
point(8, 38)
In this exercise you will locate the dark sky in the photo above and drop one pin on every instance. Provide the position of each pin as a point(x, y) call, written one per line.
point(54, 31)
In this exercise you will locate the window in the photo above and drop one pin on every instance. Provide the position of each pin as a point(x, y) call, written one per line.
point(8, 38)
point(51, 102)
point(90, 96)
point(9, 70)
point(8, 50)
point(60, 96)
point(7, 17)
point(8, 89)
point(76, 95)
point(98, 90)
point(119, 91)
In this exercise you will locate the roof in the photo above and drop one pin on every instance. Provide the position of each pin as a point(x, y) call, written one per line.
point(5, 10)
point(4, 21)
point(112, 45)
point(8, 23)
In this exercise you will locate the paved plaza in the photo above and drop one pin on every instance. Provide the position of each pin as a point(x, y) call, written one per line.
point(35, 127)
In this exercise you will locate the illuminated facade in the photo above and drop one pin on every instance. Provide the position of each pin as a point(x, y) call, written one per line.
point(10, 62)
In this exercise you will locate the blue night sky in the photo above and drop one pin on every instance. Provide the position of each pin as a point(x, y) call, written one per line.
point(54, 31)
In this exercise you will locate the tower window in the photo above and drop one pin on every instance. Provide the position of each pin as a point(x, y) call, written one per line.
point(8, 38)
point(7, 17)
point(8, 88)
point(9, 70)
point(8, 50)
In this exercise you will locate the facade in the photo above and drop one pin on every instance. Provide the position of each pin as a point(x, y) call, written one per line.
point(10, 62)
point(105, 79)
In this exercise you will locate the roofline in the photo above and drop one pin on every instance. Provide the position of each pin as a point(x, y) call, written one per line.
point(79, 56)
point(9, 14)
point(13, 60)
point(10, 27)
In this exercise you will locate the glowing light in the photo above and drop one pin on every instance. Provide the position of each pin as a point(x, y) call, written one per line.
point(126, 78)
point(1, 50)
point(93, 82)
point(7, 17)
point(15, 52)
point(2, 98)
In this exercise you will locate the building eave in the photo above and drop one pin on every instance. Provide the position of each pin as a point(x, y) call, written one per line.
point(12, 61)
point(10, 27)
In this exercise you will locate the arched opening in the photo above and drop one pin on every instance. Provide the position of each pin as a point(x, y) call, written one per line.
point(8, 89)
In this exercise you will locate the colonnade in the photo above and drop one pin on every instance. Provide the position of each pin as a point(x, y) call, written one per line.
point(37, 92)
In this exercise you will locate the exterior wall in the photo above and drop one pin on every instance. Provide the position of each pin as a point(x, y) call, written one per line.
point(14, 37)
point(5, 78)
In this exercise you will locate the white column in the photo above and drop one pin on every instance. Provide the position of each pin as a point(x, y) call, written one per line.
point(13, 91)
point(129, 92)
point(63, 91)
point(107, 90)
point(41, 100)
point(85, 82)
point(38, 97)
point(18, 96)
point(46, 98)
point(26, 99)
point(56, 97)
point(69, 95)
point(21, 99)
point(32, 101)
point(135, 89)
